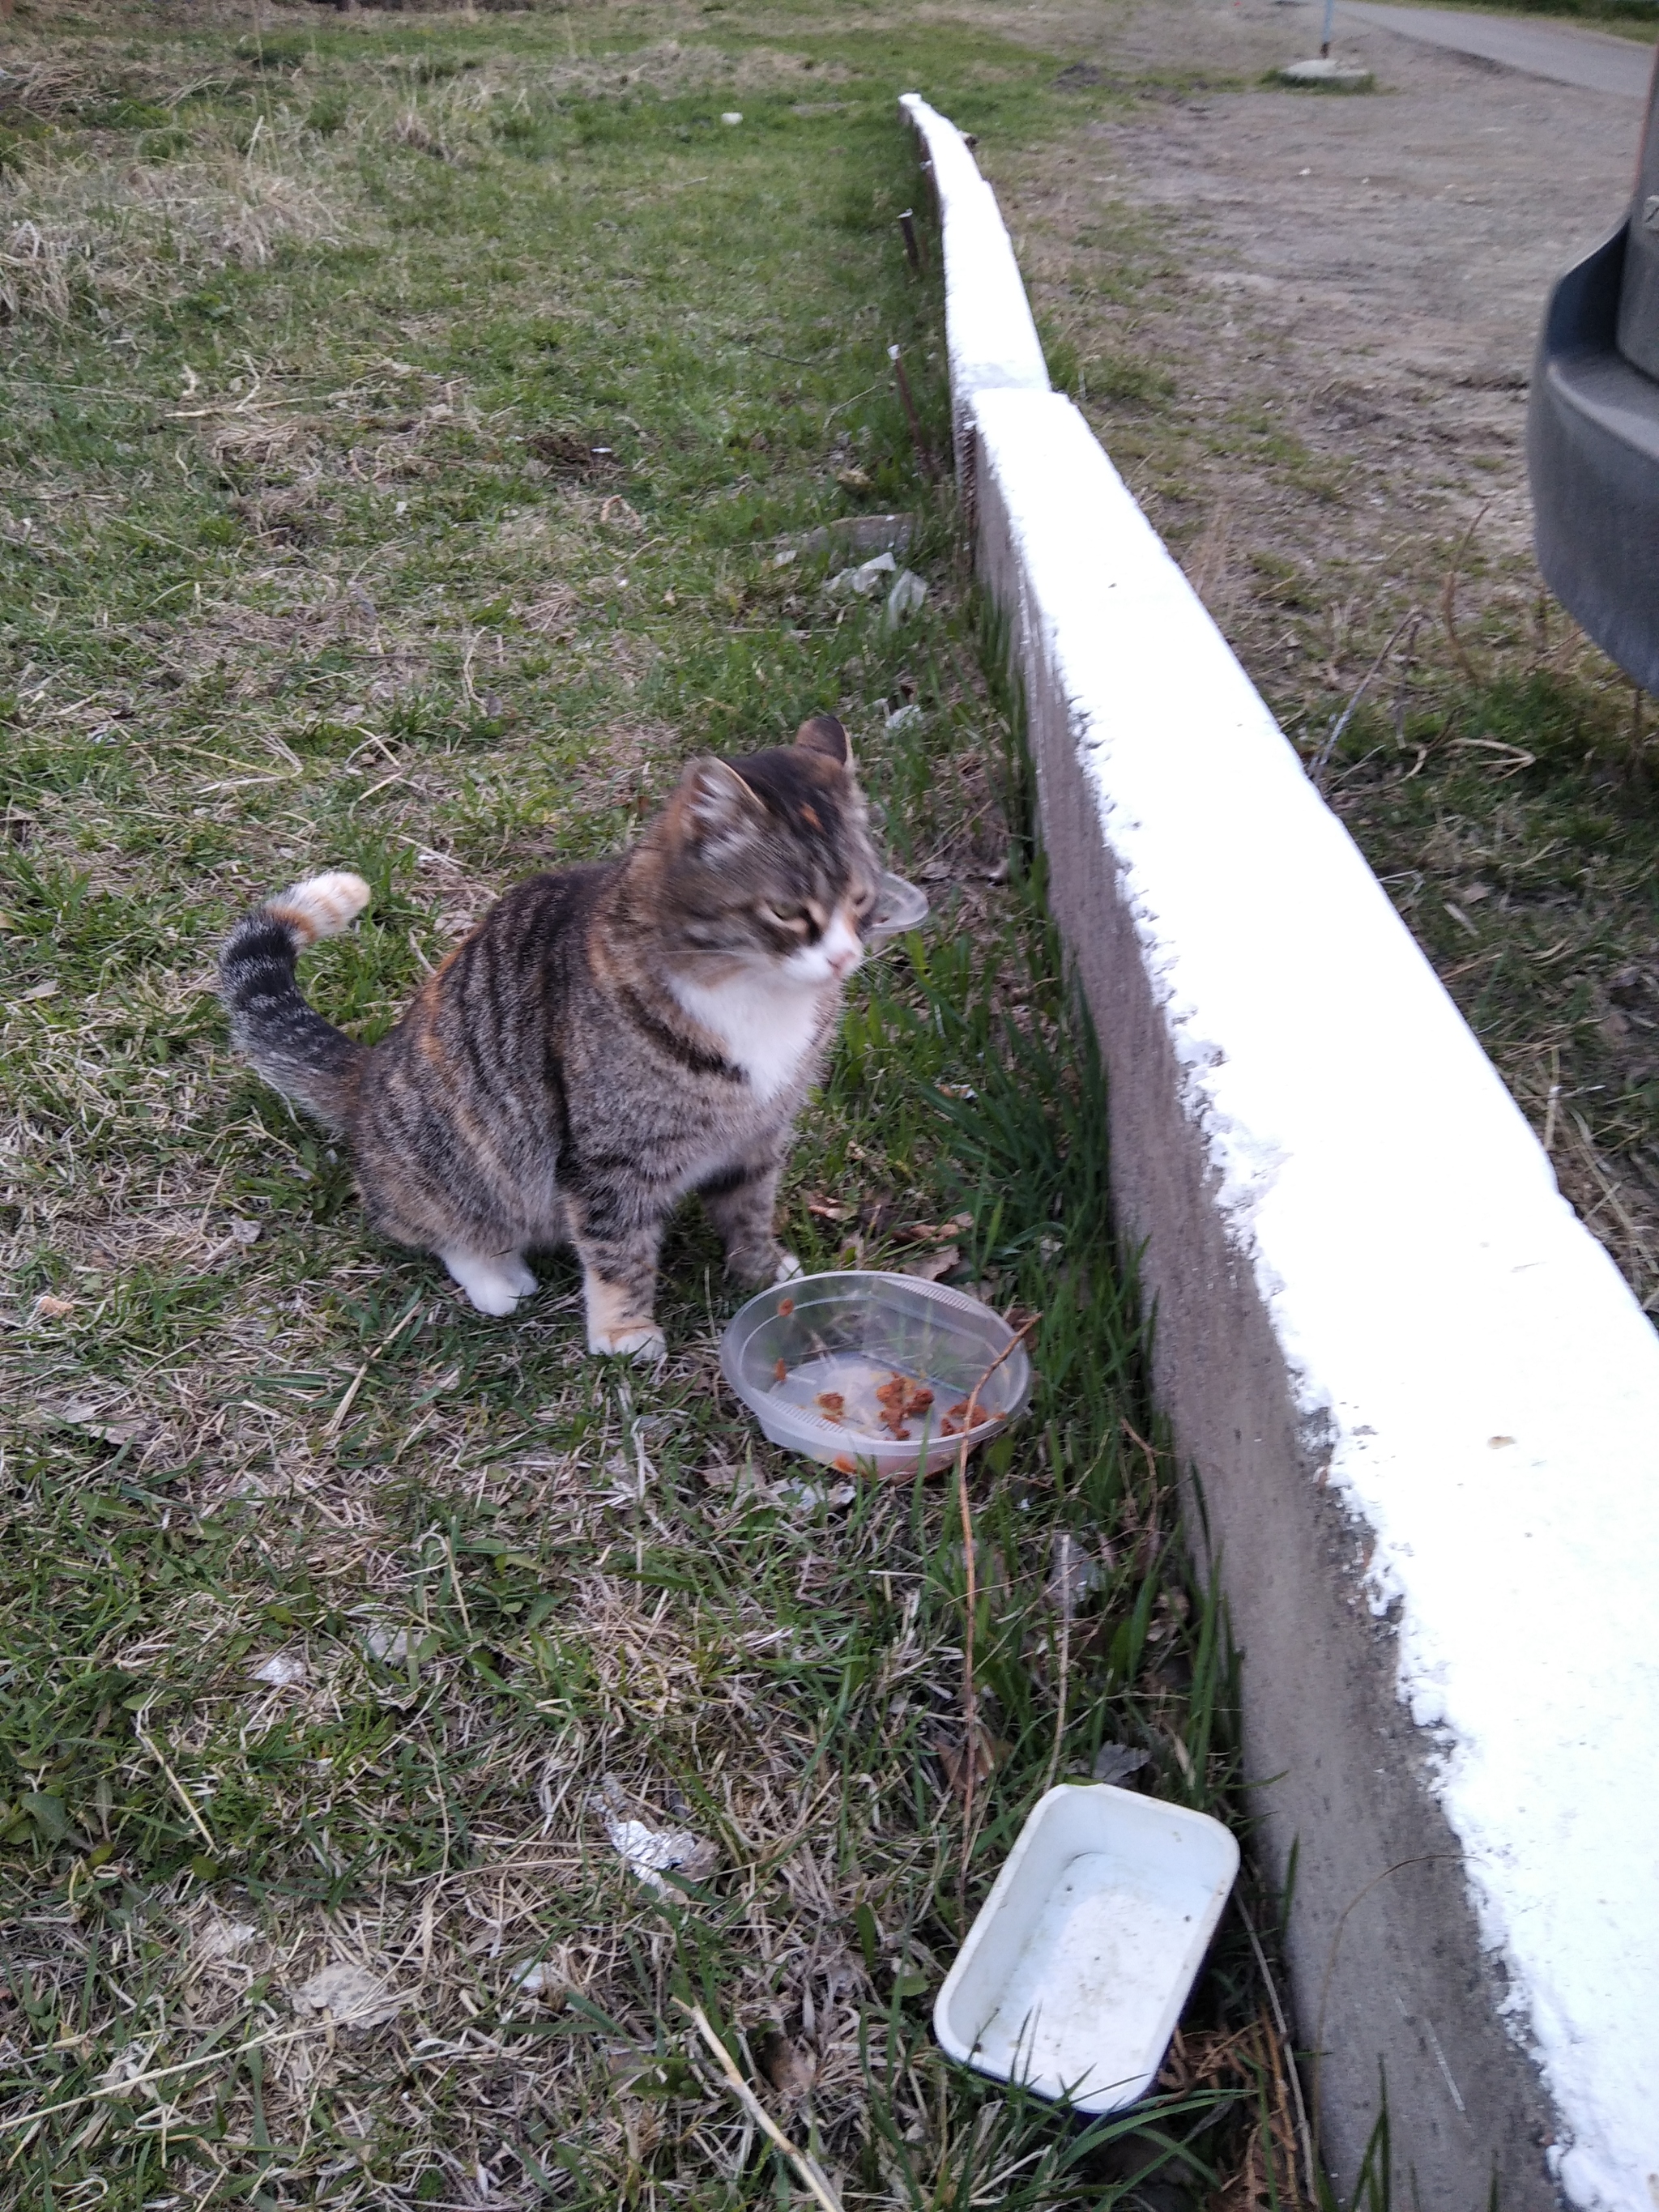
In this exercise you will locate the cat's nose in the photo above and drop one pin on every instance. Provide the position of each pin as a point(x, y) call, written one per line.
point(842, 948)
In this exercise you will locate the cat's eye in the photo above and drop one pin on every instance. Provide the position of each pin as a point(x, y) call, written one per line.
point(785, 917)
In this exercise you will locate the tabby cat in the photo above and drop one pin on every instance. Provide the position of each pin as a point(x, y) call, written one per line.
point(610, 1037)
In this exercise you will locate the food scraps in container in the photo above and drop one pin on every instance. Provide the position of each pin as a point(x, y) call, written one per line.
point(867, 1370)
point(894, 1402)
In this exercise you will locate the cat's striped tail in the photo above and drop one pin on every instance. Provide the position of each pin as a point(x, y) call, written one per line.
point(295, 1050)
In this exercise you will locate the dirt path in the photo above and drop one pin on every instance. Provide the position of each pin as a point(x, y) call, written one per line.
point(1303, 325)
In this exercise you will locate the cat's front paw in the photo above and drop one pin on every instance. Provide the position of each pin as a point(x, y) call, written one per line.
point(494, 1284)
point(759, 1265)
point(644, 1342)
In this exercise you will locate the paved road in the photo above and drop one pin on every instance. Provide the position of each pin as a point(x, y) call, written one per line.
point(1564, 53)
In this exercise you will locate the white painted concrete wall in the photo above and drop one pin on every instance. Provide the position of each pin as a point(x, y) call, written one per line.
point(990, 336)
point(1469, 1374)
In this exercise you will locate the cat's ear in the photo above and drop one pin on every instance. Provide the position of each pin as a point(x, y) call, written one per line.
point(823, 734)
point(714, 804)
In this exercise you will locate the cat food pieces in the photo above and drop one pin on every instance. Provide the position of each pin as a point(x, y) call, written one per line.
point(830, 1404)
point(786, 1307)
point(780, 1369)
point(900, 1398)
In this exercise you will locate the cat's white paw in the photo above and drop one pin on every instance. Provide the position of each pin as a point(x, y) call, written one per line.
point(494, 1284)
point(644, 1342)
point(789, 1268)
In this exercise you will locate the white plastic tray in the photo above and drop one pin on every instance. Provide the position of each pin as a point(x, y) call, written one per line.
point(1073, 1975)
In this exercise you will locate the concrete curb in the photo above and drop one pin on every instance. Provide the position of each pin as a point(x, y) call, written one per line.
point(1421, 1402)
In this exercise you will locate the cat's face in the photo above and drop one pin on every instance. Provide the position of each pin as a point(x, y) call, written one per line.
point(767, 863)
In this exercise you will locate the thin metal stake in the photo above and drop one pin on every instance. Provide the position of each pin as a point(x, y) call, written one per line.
point(924, 451)
point(912, 243)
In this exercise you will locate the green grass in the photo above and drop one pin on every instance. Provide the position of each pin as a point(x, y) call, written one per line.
point(309, 559)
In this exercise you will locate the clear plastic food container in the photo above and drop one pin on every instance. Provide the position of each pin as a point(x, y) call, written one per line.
point(862, 1369)
point(899, 906)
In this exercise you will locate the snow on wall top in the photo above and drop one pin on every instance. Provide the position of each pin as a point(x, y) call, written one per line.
point(989, 334)
point(1491, 1387)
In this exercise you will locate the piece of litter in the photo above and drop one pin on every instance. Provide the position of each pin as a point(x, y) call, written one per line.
point(245, 1232)
point(782, 560)
point(280, 1669)
point(224, 1938)
point(864, 578)
point(533, 1976)
point(905, 718)
point(651, 1851)
point(389, 1644)
point(731, 116)
point(906, 596)
point(47, 1308)
point(47, 990)
point(1115, 1762)
point(354, 1995)
point(802, 1497)
point(82, 1414)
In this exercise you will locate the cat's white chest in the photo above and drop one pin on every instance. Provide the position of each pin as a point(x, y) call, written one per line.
point(767, 1028)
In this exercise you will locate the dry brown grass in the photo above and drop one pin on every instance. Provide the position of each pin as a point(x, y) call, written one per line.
point(119, 234)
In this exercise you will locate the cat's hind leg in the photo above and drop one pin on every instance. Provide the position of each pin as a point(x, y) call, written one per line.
point(494, 1281)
